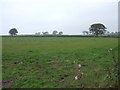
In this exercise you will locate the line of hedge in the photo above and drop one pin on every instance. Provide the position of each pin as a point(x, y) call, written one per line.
point(58, 36)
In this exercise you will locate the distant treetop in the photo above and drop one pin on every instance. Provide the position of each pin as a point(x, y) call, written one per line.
point(97, 29)
point(13, 32)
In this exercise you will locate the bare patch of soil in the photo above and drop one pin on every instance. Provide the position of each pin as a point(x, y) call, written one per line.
point(8, 83)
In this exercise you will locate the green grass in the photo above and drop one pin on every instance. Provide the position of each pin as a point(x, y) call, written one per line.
point(43, 62)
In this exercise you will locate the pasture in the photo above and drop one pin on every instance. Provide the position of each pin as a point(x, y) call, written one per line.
point(51, 62)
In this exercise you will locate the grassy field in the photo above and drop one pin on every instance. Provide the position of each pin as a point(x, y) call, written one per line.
point(51, 62)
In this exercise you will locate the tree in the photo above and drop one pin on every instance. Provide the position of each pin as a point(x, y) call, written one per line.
point(107, 32)
point(85, 32)
point(38, 33)
point(97, 29)
point(45, 33)
point(112, 33)
point(60, 33)
point(55, 32)
point(13, 32)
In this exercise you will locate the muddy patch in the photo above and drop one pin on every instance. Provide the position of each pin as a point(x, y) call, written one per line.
point(8, 83)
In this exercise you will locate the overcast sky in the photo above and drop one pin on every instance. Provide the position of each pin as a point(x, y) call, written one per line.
point(69, 16)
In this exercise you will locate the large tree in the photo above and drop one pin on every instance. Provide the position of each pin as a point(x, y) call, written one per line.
point(97, 29)
point(55, 32)
point(13, 32)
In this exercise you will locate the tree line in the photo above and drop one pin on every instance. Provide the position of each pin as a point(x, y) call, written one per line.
point(94, 29)
point(55, 32)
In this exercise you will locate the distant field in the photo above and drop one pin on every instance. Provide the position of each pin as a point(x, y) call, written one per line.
point(51, 62)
